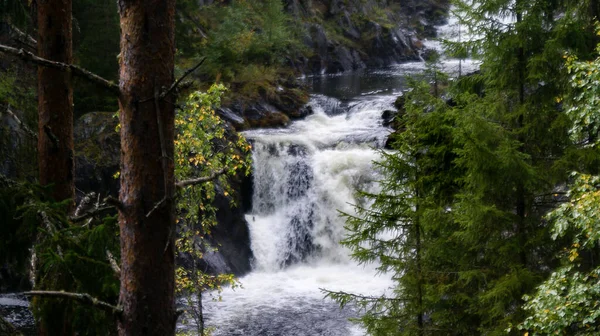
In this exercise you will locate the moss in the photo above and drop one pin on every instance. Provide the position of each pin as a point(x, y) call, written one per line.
point(271, 120)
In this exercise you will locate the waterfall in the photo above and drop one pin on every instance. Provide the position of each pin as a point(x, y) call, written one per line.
point(304, 176)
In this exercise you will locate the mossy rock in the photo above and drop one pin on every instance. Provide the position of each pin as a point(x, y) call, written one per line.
point(270, 120)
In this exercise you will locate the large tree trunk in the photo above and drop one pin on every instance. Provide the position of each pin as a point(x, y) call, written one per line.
point(55, 99)
point(147, 175)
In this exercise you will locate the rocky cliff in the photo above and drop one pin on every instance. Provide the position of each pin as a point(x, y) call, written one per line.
point(340, 35)
point(352, 34)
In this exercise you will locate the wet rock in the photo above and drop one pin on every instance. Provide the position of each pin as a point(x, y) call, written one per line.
point(234, 119)
point(232, 235)
point(388, 116)
point(270, 120)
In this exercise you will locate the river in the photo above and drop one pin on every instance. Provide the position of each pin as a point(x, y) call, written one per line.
point(304, 175)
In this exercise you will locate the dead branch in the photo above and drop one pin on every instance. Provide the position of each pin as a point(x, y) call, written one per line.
point(81, 297)
point(52, 136)
point(74, 69)
point(26, 38)
point(163, 154)
point(199, 180)
point(113, 263)
point(20, 123)
point(157, 206)
point(47, 223)
point(85, 203)
point(185, 74)
point(114, 202)
point(91, 213)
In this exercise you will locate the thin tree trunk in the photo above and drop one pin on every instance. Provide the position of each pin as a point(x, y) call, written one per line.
point(420, 320)
point(146, 219)
point(55, 99)
point(55, 127)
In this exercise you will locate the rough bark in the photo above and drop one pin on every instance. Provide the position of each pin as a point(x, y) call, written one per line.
point(147, 253)
point(55, 124)
point(55, 99)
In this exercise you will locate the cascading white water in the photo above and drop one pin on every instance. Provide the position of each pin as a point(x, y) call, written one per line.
point(303, 177)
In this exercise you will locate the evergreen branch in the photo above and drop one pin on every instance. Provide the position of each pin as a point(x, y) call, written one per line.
point(7, 181)
point(367, 298)
point(74, 69)
point(81, 297)
point(91, 213)
point(199, 180)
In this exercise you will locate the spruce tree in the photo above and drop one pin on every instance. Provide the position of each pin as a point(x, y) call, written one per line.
point(466, 210)
point(402, 226)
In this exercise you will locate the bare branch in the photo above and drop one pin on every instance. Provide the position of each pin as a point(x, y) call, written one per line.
point(163, 154)
point(199, 180)
point(74, 69)
point(91, 213)
point(114, 202)
point(26, 38)
point(113, 263)
point(156, 206)
point(84, 204)
point(81, 297)
point(20, 123)
point(187, 73)
point(52, 136)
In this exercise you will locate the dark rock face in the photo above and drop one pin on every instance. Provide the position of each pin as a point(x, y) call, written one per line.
point(231, 235)
point(353, 34)
point(97, 148)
